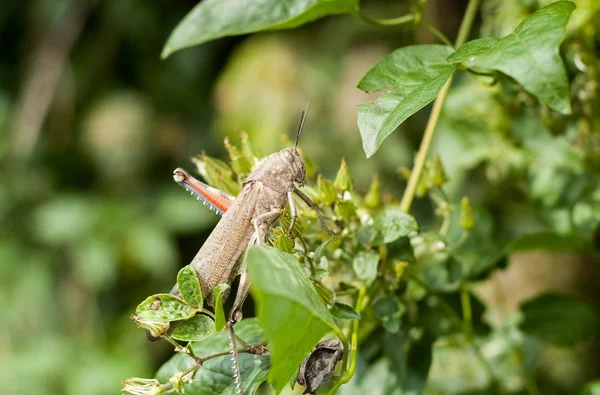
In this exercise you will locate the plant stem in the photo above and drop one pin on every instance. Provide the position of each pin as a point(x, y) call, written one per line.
point(347, 374)
point(385, 22)
point(436, 33)
point(415, 174)
point(465, 302)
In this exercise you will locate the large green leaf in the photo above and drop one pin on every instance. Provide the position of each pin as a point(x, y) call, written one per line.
point(529, 55)
point(472, 48)
point(212, 19)
point(559, 319)
point(411, 78)
point(216, 375)
point(289, 310)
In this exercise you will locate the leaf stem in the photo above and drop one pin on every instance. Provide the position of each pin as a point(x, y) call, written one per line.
point(385, 22)
point(415, 174)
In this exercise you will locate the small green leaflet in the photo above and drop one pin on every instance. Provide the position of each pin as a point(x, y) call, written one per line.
point(218, 303)
point(164, 307)
point(189, 286)
point(196, 328)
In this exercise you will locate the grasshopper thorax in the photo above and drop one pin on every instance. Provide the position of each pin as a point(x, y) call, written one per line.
point(279, 171)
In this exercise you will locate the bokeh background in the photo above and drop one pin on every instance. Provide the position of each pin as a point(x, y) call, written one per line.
point(92, 123)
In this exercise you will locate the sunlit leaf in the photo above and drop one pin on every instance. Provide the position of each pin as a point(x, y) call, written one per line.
point(212, 19)
point(472, 48)
point(290, 311)
point(411, 78)
point(530, 55)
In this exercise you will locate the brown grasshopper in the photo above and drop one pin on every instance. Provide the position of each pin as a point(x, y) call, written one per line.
point(246, 221)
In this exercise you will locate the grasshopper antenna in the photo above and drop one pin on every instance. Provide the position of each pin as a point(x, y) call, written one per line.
point(302, 119)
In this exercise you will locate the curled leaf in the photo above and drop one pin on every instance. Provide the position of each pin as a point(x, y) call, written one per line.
point(318, 366)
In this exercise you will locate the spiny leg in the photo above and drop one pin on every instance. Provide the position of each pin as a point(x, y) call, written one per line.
point(312, 205)
point(259, 237)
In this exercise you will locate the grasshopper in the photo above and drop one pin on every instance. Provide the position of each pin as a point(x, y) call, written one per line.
point(246, 221)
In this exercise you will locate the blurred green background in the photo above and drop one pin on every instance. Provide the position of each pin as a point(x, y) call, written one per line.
point(92, 123)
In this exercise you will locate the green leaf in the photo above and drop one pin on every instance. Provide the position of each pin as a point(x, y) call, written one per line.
point(320, 251)
point(389, 311)
point(346, 209)
point(365, 266)
point(196, 328)
point(216, 375)
point(559, 319)
point(164, 307)
point(472, 48)
point(218, 304)
point(344, 312)
point(189, 286)
point(411, 78)
point(212, 19)
point(392, 224)
point(343, 182)
point(289, 310)
point(373, 197)
point(240, 163)
point(282, 242)
point(326, 190)
point(530, 55)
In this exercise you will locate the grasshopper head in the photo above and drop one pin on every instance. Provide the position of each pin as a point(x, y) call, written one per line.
point(291, 159)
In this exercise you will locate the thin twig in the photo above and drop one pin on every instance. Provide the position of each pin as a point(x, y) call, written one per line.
point(434, 117)
point(43, 76)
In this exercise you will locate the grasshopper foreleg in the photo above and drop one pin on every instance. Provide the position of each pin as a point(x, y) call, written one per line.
point(293, 212)
point(312, 205)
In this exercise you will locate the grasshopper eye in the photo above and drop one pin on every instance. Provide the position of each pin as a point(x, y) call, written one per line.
point(288, 156)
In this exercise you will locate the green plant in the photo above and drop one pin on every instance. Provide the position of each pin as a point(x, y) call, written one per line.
point(386, 284)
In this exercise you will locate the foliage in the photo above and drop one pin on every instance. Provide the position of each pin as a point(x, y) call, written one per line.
point(506, 173)
point(412, 287)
